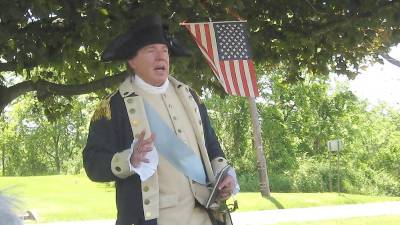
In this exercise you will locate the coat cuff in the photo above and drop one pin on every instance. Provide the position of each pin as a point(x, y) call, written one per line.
point(218, 164)
point(120, 164)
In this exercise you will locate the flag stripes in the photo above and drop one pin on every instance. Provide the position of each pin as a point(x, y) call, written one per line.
point(236, 74)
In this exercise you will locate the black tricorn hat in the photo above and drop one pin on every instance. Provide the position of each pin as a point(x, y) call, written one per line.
point(145, 31)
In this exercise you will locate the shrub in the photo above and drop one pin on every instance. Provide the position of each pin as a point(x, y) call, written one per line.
point(280, 183)
point(311, 176)
point(248, 182)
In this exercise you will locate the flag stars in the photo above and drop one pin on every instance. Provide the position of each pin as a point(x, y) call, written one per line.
point(231, 40)
point(224, 35)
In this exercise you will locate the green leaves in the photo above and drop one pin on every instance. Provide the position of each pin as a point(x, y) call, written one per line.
point(34, 143)
point(103, 11)
point(299, 36)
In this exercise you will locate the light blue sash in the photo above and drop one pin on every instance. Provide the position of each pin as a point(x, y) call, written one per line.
point(171, 147)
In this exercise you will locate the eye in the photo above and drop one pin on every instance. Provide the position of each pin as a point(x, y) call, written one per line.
point(150, 50)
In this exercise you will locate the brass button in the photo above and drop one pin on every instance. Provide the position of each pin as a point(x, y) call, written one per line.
point(146, 201)
point(179, 130)
point(146, 188)
point(132, 111)
point(118, 169)
point(130, 101)
point(135, 123)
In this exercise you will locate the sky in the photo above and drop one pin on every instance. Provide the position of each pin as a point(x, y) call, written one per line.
point(378, 83)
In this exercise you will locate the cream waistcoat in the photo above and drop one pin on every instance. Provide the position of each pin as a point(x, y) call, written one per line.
point(168, 190)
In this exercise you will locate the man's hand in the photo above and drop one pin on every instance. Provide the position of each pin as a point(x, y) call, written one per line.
point(142, 147)
point(226, 187)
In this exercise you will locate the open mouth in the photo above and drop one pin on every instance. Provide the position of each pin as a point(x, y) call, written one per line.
point(160, 68)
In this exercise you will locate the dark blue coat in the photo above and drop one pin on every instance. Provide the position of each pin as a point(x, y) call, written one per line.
point(108, 136)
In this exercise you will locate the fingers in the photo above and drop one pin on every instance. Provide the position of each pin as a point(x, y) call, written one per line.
point(147, 144)
point(227, 182)
point(139, 138)
point(142, 147)
point(224, 196)
point(226, 187)
point(145, 160)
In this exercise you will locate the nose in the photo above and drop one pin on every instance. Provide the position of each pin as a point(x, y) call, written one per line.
point(162, 54)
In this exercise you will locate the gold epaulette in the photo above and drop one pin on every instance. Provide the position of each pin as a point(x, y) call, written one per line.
point(103, 109)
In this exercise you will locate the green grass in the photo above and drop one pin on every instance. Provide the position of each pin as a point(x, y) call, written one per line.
point(386, 220)
point(251, 201)
point(59, 198)
point(63, 198)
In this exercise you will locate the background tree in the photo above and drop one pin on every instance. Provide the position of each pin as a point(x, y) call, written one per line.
point(54, 47)
point(32, 144)
point(297, 121)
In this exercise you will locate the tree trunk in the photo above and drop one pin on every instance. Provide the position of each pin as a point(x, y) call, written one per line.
point(57, 148)
point(261, 161)
point(3, 162)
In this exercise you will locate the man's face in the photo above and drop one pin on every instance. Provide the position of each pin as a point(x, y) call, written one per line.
point(151, 63)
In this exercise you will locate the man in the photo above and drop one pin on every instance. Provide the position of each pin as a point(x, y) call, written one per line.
point(153, 136)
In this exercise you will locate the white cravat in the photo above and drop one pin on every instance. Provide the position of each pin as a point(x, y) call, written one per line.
point(150, 88)
point(146, 170)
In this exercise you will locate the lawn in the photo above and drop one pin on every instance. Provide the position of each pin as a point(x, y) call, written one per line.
point(386, 220)
point(250, 201)
point(63, 198)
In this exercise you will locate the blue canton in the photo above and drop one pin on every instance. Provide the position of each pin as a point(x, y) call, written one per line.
point(232, 41)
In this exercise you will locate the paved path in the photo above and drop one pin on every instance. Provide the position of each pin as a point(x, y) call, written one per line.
point(295, 214)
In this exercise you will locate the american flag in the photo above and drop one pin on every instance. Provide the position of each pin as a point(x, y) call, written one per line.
point(226, 48)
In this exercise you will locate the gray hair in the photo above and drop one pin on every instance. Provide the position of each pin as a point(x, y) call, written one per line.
point(7, 215)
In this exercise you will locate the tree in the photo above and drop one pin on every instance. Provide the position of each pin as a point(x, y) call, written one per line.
point(53, 47)
point(32, 144)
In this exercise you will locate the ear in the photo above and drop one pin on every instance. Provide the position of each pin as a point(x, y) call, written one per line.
point(132, 63)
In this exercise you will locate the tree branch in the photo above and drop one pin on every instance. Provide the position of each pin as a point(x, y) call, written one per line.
point(345, 21)
point(45, 88)
point(12, 66)
point(7, 66)
point(391, 59)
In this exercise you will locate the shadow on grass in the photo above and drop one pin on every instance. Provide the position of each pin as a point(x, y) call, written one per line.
point(275, 202)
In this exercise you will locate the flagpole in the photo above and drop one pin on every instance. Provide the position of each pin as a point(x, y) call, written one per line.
point(261, 161)
point(237, 76)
